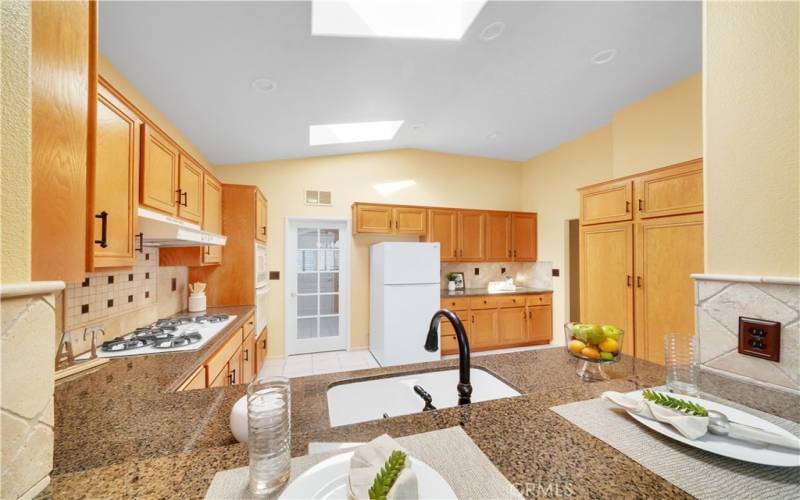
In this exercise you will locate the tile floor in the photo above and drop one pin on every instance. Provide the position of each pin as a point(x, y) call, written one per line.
point(303, 365)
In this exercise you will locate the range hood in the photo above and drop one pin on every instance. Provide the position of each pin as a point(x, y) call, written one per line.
point(160, 230)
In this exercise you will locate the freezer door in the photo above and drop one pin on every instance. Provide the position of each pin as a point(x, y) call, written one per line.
point(410, 263)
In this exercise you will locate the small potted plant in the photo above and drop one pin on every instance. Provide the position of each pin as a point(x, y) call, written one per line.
point(451, 281)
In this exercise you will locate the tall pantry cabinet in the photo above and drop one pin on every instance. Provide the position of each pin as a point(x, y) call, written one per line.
point(641, 238)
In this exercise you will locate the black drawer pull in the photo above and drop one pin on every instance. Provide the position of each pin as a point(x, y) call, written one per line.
point(141, 242)
point(103, 241)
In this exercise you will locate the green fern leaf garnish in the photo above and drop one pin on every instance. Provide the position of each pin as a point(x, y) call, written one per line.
point(675, 403)
point(386, 478)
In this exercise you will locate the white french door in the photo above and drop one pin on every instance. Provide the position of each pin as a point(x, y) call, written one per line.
point(317, 294)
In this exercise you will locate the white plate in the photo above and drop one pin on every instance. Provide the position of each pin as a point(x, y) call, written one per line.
point(328, 480)
point(727, 447)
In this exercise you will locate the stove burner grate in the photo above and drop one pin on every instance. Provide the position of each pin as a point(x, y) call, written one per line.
point(178, 341)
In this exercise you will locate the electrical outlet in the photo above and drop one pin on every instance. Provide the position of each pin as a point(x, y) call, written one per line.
point(556, 272)
point(174, 284)
point(760, 338)
point(477, 271)
point(503, 271)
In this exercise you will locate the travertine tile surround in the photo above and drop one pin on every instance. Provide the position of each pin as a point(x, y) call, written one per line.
point(720, 300)
point(26, 408)
point(532, 274)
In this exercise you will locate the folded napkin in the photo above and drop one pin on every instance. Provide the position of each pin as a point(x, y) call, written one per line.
point(692, 427)
point(367, 462)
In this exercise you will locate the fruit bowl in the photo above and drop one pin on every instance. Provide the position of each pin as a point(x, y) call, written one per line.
point(595, 345)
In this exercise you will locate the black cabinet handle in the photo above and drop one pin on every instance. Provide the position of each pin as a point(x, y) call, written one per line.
point(641, 205)
point(264, 230)
point(246, 357)
point(628, 206)
point(103, 241)
point(264, 344)
point(232, 377)
point(141, 242)
point(185, 195)
point(630, 280)
point(638, 282)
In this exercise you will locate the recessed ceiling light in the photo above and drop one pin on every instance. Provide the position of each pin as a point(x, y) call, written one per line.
point(341, 133)
point(493, 136)
point(264, 85)
point(417, 127)
point(604, 56)
point(492, 31)
point(439, 20)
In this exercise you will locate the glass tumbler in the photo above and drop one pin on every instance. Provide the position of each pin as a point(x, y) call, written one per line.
point(681, 361)
point(269, 434)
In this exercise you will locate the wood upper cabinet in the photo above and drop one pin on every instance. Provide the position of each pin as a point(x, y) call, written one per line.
point(443, 228)
point(511, 325)
point(471, 236)
point(498, 236)
point(668, 251)
point(190, 190)
point(372, 219)
point(113, 184)
point(159, 172)
point(539, 325)
point(606, 277)
point(523, 237)
point(675, 191)
point(212, 217)
point(410, 220)
point(608, 202)
point(261, 217)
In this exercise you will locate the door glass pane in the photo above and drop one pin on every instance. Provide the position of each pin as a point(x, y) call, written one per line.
point(329, 304)
point(328, 282)
point(306, 260)
point(329, 326)
point(307, 283)
point(306, 328)
point(329, 260)
point(307, 305)
point(306, 238)
point(329, 238)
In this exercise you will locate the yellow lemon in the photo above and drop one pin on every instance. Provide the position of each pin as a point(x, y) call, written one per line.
point(576, 346)
point(609, 345)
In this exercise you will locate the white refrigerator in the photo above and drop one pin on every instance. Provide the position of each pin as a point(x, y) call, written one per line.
point(404, 295)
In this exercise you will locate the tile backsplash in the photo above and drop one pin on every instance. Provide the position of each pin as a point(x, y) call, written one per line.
point(530, 274)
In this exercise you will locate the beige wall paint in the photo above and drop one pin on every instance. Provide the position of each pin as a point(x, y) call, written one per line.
point(662, 129)
point(440, 179)
point(108, 71)
point(15, 143)
point(752, 70)
point(549, 183)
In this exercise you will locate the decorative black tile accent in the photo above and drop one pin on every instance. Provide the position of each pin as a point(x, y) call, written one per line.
point(147, 276)
point(84, 308)
point(174, 284)
point(130, 277)
point(274, 275)
point(146, 295)
point(130, 298)
point(147, 256)
point(110, 280)
point(85, 282)
point(110, 303)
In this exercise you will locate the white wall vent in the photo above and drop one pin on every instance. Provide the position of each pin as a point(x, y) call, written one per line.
point(320, 198)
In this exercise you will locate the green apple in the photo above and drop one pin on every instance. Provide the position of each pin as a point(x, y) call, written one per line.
point(579, 332)
point(606, 356)
point(612, 332)
point(594, 334)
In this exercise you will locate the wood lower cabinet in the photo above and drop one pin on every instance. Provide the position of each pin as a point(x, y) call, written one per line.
point(190, 190)
point(261, 217)
point(113, 184)
point(447, 333)
point(523, 237)
point(483, 331)
point(443, 228)
point(608, 202)
point(196, 381)
point(498, 237)
point(222, 379)
point(261, 350)
point(249, 359)
point(511, 325)
point(159, 172)
point(539, 324)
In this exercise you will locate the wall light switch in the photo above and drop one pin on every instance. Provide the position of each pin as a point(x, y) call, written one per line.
point(556, 272)
point(760, 338)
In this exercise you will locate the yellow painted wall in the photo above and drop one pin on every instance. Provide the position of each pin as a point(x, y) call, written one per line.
point(15, 143)
point(752, 106)
point(108, 71)
point(549, 183)
point(662, 129)
point(440, 179)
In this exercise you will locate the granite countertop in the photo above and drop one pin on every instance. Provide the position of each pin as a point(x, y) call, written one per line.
point(153, 443)
point(477, 292)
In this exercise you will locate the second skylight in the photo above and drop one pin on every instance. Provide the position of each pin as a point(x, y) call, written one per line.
point(342, 133)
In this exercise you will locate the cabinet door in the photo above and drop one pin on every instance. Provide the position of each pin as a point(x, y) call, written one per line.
point(373, 219)
point(540, 324)
point(668, 251)
point(447, 333)
point(410, 220)
point(190, 190)
point(498, 236)
point(442, 228)
point(675, 191)
point(523, 237)
point(222, 378)
point(261, 217)
point(248, 359)
point(511, 325)
point(235, 367)
point(261, 351)
point(483, 333)
point(212, 217)
point(196, 381)
point(471, 236)
point(606, 276)
point(609, 202)
point(113, 183)
point(159, 180)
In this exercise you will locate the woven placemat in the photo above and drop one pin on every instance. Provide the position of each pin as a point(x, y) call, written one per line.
point(697, 472)
point(449, 451)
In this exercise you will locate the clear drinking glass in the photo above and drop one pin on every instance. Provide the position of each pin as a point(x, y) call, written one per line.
point(269, 434)
point(681, 360)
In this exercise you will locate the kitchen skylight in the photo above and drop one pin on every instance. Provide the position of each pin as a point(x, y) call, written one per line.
point(425, 19)
point(341, 133)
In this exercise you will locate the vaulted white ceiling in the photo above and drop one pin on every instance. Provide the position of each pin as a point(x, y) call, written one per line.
point(514, 97)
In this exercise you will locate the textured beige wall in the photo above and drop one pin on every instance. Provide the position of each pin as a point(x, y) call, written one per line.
point(15, 142)
point(549, 183)
point(440, 179)
point(108, 71)
point(752, 132)
point(662, 129)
